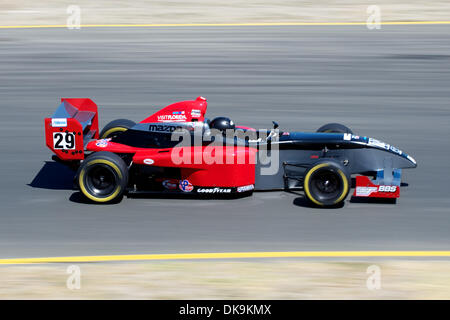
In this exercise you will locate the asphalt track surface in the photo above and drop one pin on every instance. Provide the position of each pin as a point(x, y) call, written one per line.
point(392, 84)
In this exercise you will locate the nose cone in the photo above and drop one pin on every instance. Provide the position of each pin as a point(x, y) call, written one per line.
point(400, 159)
point(412, 160)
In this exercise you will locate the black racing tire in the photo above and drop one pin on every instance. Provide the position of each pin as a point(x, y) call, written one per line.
point(116, 127)
point(334, 128)
point(103, 177)
point(327, 183)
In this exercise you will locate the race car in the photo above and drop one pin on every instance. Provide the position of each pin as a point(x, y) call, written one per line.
point(126, 158)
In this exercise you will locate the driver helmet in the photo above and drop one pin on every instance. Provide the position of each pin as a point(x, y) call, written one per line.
point(222, 124)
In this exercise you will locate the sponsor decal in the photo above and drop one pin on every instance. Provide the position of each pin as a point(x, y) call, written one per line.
point(186, 186)
point(172, 118)
point(377, 143)
point(395, 150)
point(285, 133)
point(382, 145)
point(250, 187)
point(170, 184)
point(214, 190)
point(350, 137)
point(103, 143)
point(367, 191)
point(196, 113)
point(63, 140)
point(59, 122)
point(149, 161)
point(178, 112)
point(163, 128)
point(387, 188)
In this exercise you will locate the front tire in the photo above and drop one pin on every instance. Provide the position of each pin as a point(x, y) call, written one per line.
point(103, 177)
point(116, 127)
point(326, 183)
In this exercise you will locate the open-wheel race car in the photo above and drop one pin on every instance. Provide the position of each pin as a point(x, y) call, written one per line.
point(128, 158)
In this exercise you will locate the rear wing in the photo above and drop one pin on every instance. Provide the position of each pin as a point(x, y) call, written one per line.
point(71, 127)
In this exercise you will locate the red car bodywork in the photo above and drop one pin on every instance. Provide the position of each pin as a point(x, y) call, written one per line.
point(366, 188)
point(226, 173)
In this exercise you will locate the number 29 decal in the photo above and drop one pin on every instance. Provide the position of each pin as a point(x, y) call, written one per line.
point(63, 140)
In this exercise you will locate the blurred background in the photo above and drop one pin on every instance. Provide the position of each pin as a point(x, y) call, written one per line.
point(386, 81)
point(28, 12)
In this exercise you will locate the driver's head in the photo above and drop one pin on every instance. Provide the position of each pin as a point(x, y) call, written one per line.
point(222, 124)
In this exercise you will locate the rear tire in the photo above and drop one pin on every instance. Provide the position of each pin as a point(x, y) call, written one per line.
point(326, 183)
point(103, 177)
point(116, 127)
point(334, 128)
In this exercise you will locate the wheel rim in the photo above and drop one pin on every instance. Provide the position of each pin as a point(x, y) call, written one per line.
point(101, 180)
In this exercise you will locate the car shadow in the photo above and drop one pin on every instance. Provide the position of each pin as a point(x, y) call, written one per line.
point(302, 201)
point(373, 200)
point(305, 203)
point(54, 176)
point(78, 197)
point(184, 196)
